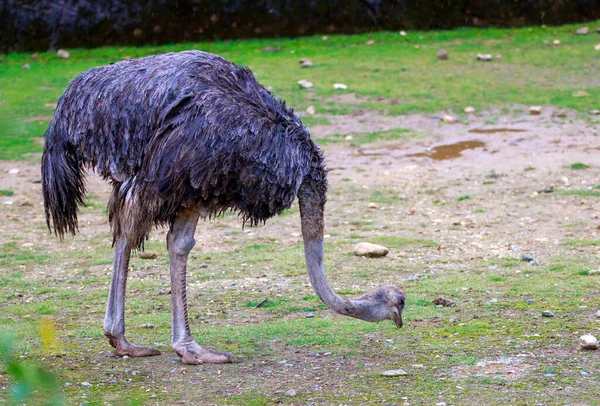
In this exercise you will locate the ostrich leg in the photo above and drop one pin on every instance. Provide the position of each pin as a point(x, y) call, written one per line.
point(114, 322)
point(180, 241)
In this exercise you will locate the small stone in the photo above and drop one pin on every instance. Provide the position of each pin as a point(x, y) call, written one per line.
point(61, 53)
point(305, 63)
point(67, 384)
point(370, 42)
point(309, 315)
point(535, 110)
point(164, 291)
point(394, 372)
point(592, 272)
point(444, 302)
point(310, 111)
point(588, 342)
point(148, 254)
point(556, 42)
point(403, 33)
point(565, 181)
point(372, 205)
point(440, 404)
point(125, 357)
point(530, 301)
point(412, 278)
point(449, 119)
point(597, 47)
point(305, 84)
point(527, 258)
point(469, 110)
point(548, 313)
point(25, 67)
point(291, 393)
point(582, 31)
point(27, 245)
point(86, 385)
point(594, 112)
point(340, 86)
point(598, 314)
point(348, 137)
point(559, 113)
point(365, 249)
point(13, 171)
point(324, 38)
point(146, 325)
point(484, 57)
point(494, 300)
point(268, 373)
point(442, 55)
point(203, 265)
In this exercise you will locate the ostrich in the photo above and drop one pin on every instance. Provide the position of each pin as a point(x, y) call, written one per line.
point(181, 136)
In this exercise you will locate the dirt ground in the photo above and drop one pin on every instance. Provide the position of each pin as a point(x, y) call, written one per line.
point(505, 164)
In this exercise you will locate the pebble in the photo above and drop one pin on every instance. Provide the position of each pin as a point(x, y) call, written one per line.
point(309, 315)
point(340, 86)
point(164, 291)
point(61, 53)
point(305, 84)
point(556, 42)
point(67, 384)
point(527, 258)
point(440, 404)
point(403, 33)
point(13, 171)
point(547, 313)
point(125, 357)
point(449, 119)
point(305, 63)
point(268, 373)
point(588, 342)
point(86, 385)
point(597, 47)
point(26, 67)
point(370, 42)
point(535, 110)
point(365, 249)
point(310, 111)
point(372, 205)
point(203, 265)
point(469, 110)
point(146, 325)
point(565, 180)
point(591, 272)
point(582, 31)
point(291, 393)
point(412, 278)
point(530, 301)
point(442, 55)
point(598, 314)
point(594, 112)
point(494, 300)
point(484, 57)
point(394, 372)
point(148, 254)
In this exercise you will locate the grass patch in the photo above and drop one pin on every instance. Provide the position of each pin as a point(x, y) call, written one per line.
point(6, 192)
point(579, 166)
point(582, 243)
point(398, 242)
point(465, 197)
point(579, 192)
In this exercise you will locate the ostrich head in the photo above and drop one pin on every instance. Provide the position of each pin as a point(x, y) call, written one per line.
point(384, 303)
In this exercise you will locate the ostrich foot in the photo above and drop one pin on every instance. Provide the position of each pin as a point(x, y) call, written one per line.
point(194, 354)
point(124, 347)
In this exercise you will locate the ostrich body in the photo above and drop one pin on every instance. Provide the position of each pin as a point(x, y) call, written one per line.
point(182, 136)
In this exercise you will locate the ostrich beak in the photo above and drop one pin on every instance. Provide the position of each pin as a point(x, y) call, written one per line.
point(398, 319)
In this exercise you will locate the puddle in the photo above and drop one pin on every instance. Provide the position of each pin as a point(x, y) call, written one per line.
point(449, 151)
point(496, 130)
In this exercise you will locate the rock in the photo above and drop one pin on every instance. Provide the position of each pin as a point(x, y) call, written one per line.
point(442, 55)
point(469, 110)
point(592, 272)
point(527, 258)
point(61, 53)
point(164, 291)
point(305, 63)
point(598, 30)
point(548, 313)
point(365, 249)
point(267, 373)
point(394, 372)
point(25, 67)
point(403, 33)
point(148, 254)
point(565, 180)
point(530, 301)
point(535, 110)
point(13, 171)
point(582, 31)
point(203, 265)
point(348, 137)
point(597, 47)
point(598, 314)
point(324, 38)
point(588, 342)
point(449, 119)
point(556, 42)
point(370, 42)
point(309, 315)
point(146, 325)
point(484, 57)
point(594, 112)
point(444, 302)
point(291, 393)
point(125, 357)
point(372, 205)
point(86, 385)
point(305, 84)
point(340, 86)
point(310, 111)
point(412, 278)
point(27, 245)
point(494, 300)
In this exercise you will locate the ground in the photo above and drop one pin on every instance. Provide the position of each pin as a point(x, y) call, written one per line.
point(457, 219)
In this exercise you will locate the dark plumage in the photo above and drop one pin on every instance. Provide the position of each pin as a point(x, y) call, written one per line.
point(169, 131)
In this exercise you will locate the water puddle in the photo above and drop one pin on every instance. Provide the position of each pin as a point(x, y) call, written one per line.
point(449, 151)
point(496, 130)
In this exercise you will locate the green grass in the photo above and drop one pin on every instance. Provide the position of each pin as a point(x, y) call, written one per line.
point(6, 192)
point(579, 165)
point(406, 71)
